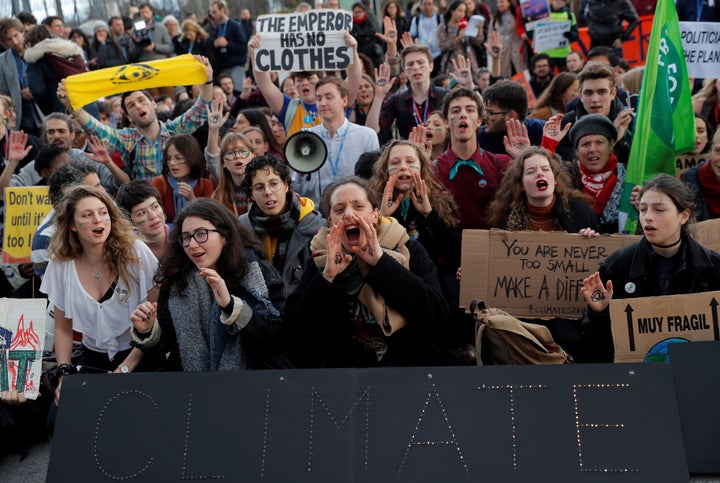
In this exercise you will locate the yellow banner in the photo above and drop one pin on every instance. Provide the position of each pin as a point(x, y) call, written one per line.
point(88, 87)
point(25, 208)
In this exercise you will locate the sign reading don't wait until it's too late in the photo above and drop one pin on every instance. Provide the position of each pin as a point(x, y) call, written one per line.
point(309, 41)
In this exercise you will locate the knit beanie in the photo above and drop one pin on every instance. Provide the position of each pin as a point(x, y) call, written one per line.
point(593, 124)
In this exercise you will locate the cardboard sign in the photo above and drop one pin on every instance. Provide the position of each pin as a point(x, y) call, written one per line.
point(696, 371)
point(707, 233)
point(532, 274)
point(25, 208)
point(684, 162)
point(22, 336)
point(590, 423)
point(643, 327)
point(313, 40)
point(701, 45)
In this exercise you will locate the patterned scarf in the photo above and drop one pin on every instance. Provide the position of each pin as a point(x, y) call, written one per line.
point(600, 185)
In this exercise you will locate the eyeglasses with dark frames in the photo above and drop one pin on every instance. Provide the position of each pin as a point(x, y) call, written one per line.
point(200, 235)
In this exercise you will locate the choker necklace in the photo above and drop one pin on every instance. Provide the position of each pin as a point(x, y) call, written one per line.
point(668, 246)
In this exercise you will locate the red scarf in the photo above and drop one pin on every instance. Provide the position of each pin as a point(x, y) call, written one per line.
point(359, 20)
point(710, 188)
point(600, 186)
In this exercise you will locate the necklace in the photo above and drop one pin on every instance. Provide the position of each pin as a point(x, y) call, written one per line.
point(668, 246)
point(98, 273)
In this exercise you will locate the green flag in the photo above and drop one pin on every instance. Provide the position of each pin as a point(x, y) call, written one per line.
point(665, 123)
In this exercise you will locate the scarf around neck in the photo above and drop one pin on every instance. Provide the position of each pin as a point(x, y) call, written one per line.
point(600, 186)
point(179, 201)
point(392, 237)
point(277, 226)
point(520, 218)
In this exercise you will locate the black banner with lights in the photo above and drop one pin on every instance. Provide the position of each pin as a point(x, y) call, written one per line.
point(591, 423)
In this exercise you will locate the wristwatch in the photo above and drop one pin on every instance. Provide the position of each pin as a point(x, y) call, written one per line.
point(124, 369)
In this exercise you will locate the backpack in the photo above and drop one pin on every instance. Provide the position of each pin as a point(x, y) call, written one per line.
point(416, 19)
point(502, 339)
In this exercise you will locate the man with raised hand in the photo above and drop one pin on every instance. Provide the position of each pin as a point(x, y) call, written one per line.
point(301, 112)
point(411, 107)
point(469, 172)
point(141, 146)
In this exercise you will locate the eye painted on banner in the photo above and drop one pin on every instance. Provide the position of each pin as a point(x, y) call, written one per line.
point(128, 74)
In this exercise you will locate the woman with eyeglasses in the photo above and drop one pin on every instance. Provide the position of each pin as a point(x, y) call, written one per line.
point(97, 274)
point(236, 152)
point(183, 175)
point(281, 219)
point(220, 302)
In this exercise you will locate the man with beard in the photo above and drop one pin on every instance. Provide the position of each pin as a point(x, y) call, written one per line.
point(142, 146)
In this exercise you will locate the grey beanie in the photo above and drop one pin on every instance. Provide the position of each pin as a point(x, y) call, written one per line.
point(593, 124)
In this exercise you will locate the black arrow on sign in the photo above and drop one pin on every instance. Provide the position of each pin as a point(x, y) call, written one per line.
point(716, 328)
point(631, 334)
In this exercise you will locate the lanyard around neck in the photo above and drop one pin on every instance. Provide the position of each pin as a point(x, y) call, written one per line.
point(334, 164)
point(416, 111)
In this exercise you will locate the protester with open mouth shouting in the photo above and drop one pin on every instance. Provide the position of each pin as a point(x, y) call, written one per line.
point(371, 297)
point(97, 274)
point(411, 193)
point(536, 194)
point(597, 171)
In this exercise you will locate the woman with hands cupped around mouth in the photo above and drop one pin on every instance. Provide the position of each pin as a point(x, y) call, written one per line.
point(220, 301)
point(405, 182)
point(371, 295)
point(666, 261)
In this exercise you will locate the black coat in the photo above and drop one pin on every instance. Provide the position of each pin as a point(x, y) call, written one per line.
point(697, 269)
point(318, 316)
point(109, 54)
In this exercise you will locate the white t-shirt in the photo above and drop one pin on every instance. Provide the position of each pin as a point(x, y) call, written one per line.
point(105, 326)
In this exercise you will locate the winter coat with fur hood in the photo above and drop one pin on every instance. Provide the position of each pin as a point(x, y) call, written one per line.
point(50, 61)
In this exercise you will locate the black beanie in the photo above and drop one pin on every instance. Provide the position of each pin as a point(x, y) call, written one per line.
point(593, 124)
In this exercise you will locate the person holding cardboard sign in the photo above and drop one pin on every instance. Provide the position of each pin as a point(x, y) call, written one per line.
point(666, 261)
point(536, 194)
